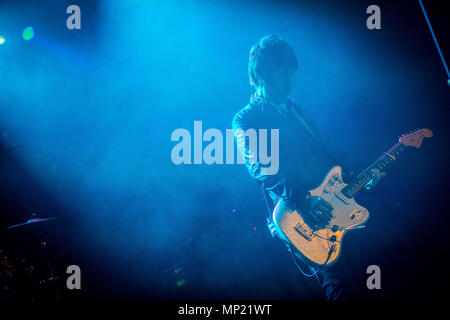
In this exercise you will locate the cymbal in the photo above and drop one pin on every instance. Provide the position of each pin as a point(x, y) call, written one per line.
point(32, 221)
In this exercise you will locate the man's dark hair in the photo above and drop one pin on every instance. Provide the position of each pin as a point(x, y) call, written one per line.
point(267, 56)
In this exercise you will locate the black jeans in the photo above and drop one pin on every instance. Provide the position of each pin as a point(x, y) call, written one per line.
point(335, 281)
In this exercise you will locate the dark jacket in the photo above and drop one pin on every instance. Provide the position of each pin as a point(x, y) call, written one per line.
point(303, 159)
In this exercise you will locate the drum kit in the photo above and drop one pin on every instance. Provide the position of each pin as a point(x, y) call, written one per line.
point(27, 270)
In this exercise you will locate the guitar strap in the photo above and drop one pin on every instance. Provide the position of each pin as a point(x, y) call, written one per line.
point(303, 122)
point(311, 131)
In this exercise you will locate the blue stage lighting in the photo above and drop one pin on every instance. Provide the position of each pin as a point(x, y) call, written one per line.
point(28, 33)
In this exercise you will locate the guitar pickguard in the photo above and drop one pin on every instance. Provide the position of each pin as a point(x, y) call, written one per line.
point(346, 212)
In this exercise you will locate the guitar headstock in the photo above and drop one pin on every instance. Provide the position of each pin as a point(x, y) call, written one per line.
point(415, 138)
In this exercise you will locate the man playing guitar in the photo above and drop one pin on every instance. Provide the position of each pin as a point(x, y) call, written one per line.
point(303, 159)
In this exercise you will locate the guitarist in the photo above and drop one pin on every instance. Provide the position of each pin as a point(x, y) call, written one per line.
point(303, 159)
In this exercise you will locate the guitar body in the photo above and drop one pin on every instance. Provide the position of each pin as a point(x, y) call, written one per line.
point(314, 246)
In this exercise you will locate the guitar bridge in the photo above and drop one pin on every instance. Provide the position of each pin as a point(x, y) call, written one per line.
point(304, 230)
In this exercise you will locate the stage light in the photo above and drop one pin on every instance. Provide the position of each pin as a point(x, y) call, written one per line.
point(28, 33)
point(2, 40)
point(181, 282)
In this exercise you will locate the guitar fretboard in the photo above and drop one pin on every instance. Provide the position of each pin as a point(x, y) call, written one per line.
point(360, 181)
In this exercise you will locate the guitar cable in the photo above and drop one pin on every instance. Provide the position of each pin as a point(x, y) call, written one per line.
point(314, 271)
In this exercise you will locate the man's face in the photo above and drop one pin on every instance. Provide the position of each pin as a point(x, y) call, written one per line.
point(280, 83)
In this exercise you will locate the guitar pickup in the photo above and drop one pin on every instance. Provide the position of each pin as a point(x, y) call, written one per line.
point(304, 230)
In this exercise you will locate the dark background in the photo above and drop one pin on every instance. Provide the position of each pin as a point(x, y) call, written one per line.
point(86, 117)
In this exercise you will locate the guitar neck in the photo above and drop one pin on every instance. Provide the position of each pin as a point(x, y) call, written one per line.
point(361, 180)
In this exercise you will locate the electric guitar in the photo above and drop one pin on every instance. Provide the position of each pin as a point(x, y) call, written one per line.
point(323, 246)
